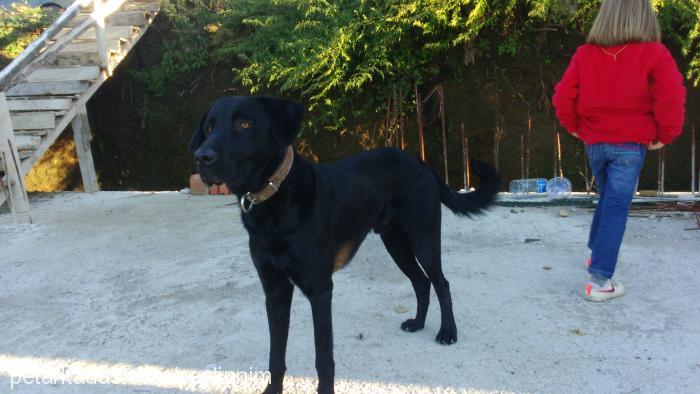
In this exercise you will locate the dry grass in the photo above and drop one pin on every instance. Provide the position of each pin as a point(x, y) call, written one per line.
point(57, 170)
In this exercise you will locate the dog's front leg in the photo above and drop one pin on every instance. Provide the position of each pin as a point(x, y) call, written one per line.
point(323, 335)
point(278, 301)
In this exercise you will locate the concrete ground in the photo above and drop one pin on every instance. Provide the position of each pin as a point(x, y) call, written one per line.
point(144, 292)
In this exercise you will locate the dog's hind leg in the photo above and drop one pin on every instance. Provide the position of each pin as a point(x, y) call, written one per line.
point(399, 249)
point(427, 250)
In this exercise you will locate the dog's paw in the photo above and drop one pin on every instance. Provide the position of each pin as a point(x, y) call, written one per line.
point(412, 325)
point(446, 336)
point(325, 389)
point(270, 389)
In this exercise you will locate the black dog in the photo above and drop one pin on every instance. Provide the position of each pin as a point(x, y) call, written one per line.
point(307, 220)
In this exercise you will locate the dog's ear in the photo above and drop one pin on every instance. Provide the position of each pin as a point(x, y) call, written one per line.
point(198, 135)
point(287, 116)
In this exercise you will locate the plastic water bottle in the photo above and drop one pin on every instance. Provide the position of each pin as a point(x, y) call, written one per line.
point(559, 187)
point(522, 186)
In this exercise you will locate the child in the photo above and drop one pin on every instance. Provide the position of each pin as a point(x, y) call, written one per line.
point(621, 95)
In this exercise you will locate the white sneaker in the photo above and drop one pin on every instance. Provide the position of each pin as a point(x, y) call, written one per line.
point(609, 290)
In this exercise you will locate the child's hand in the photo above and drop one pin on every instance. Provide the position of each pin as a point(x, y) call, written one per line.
point(655, 145)
point(575, 135)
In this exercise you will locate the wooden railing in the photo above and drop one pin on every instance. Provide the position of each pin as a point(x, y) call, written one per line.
point(45, 45)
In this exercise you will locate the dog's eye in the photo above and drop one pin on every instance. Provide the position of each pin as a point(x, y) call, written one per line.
point(209, 129)
point(245, 124)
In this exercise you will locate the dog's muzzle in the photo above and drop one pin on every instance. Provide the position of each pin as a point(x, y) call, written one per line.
point(207, 176)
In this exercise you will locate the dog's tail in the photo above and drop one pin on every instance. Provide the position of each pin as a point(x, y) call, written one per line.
point(471, 203)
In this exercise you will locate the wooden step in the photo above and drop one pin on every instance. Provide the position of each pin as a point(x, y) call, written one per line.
point(27, 104)
point(148, 6)
point(48, 88)
point(40, 133)
point(27, 142)
point(33, 120)
point(84, 58)
point(112, 33)
point(89, 46)
point(73, 59)
point(151, 6)
point(119, 18)
point(60, 74)
point(83, 54)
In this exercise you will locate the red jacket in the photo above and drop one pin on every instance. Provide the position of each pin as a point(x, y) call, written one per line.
point(635, 96)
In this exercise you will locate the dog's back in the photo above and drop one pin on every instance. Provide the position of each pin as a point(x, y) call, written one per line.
point(396, 173)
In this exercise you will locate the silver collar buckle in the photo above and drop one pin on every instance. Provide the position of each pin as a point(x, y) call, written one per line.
point(247, 203)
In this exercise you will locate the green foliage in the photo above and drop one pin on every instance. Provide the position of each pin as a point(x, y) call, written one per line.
point(508, 47)
point(177, 60)
point(187, 48)
point(335, 54)
point(19, 26)
point(686, 16)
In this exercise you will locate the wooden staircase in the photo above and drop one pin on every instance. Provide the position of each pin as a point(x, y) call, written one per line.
point(46, 88)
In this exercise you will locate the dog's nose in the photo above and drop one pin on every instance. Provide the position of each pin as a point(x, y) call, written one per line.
point(205, 155)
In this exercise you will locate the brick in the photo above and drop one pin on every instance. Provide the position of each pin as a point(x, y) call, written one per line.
point(198, 187)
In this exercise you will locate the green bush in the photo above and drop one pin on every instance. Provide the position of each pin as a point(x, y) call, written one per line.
point(335, 54)
point(19, 26)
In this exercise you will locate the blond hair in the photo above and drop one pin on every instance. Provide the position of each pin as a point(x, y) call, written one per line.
point(624, 21)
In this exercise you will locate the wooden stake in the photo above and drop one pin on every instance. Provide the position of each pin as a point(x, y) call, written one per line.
point(522, 156)
point(496, 132)
point(693, 188)
point(658, 171)
point(464, 156)
point(14, 181)
point(387, 122)
point(395, 120)
point(469, 164)
point(402, 120)
point(496, 146)
point(561, 168)
point(441, 92)
point(661, 171)
point(527, 144)
point(82, 137)
point(589, 182)
point(419, 114)
point(554, 136)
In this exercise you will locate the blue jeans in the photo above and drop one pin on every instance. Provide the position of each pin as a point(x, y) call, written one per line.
point(616, 168)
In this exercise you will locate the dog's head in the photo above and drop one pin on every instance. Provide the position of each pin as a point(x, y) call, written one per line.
point(240, 139)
